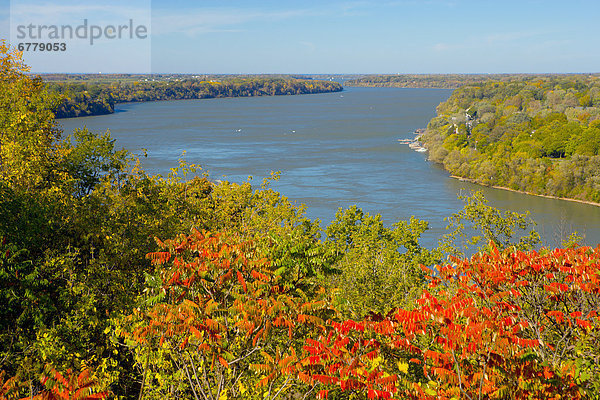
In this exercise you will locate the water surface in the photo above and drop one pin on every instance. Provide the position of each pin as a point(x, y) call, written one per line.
point(333, 150)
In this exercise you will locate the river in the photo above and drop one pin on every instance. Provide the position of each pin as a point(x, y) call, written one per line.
point(333, 150)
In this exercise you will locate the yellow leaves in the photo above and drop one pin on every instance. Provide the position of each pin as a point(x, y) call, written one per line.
point(375, 361)
point(190, 303)
point(223, 395)
point(211, 306)
point(19, 118)
point(303, 318)
point(402, 367)
point(242, 388)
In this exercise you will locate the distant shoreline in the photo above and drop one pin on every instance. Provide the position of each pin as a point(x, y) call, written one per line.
point(89, 98)
point(376, 85)
point(188, 98)
point(460, 178)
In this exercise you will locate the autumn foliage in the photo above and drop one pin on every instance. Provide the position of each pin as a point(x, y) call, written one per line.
point(222, 314)
point(242, 314)
point(55, 386)
point(69, 386)
point(7, 386)
point(499, 325)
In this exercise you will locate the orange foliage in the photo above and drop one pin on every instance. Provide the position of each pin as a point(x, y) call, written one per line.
point(71, 386)
point(496, 325)
point(8, 387)
point(223, 303)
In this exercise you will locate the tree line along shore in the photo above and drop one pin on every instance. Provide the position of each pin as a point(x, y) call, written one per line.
point(82, 95)
point(534, 133)
point(118, 284)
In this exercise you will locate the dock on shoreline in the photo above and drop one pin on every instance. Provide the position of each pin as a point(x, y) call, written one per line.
point(414, 143)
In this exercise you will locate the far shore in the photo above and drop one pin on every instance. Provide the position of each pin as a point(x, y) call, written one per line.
point(524, 192)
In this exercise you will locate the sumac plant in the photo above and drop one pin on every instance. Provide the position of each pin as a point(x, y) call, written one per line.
point(505, 325)
point(220, 323)
point(70, 386)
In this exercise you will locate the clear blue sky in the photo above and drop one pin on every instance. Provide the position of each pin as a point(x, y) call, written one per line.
point(396, 36)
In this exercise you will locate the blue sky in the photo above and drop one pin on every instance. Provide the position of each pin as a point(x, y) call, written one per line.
point(396, 36)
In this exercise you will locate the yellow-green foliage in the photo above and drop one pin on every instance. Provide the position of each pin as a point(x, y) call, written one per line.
point(534, 133)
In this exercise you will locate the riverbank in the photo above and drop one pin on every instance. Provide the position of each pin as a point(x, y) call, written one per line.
point(91, 99)
point(460, 178)
point(414, 143)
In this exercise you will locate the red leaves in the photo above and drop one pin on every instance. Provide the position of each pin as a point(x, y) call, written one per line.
point(575, 314)
point(304, 318)
point(495, 319)
point(69, 386)
point(557, 315)
point(556, 287)
point(525, 343)
point(348, 326)
point(258, 335)
point(350, 384)
point(220, 302)
point(324, 379)
point(223, 362)
point(175, 279)
point(241, 281)
point(489, 323)
point(195, 332)
point(159, 258)
point(583, 323)
point(8, 388)
point(259, 276)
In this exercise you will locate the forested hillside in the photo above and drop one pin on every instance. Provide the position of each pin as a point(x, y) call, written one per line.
point(82, 98)
point(437, 81)
point(536, 134)
point(118, 284)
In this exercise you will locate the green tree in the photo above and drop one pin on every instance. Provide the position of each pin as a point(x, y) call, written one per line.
point(379, 267)
point(27, 122)
point(479, 223)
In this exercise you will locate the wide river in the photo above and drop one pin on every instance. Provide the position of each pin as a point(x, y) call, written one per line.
point(333, 150)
